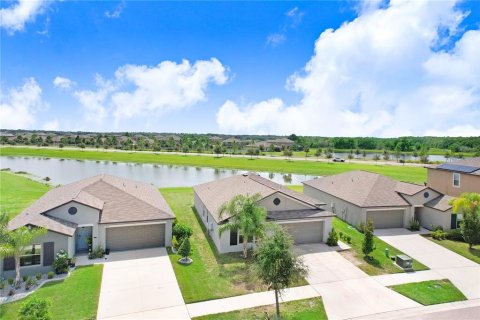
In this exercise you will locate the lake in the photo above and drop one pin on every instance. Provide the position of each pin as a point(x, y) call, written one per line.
point(63, 171)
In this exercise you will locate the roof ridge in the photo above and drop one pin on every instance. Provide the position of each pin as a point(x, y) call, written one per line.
point(250, 174)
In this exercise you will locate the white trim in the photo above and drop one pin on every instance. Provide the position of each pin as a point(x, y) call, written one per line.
point(300, 221)
point(387, 209)
point(453, 180)
point(85, 225)
point(133, 224)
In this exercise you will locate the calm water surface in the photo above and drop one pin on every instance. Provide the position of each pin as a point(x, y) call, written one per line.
point(62, 171)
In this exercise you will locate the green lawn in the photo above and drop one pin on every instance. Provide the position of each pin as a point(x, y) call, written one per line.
point(18, 192)
point(430, 292)
point(379, 264)
point(211, 275)
point(461, 248)
point(308, 309)
point(404, 173)
point(296, 188)
point(76, 297)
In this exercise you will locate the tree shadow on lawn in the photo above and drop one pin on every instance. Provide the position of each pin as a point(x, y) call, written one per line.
point(475, 252)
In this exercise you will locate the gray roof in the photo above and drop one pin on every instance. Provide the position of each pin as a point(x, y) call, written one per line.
point(365, 189)
point(215, 193)
point(468, 162)
point(440, 203)
point(117, 199)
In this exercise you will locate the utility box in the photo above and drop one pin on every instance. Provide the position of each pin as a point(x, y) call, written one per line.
point(404, 262)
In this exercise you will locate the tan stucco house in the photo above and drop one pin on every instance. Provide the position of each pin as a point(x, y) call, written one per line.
point(301, 215)
point(455, 178)
point(111, 212)
point(359, 196)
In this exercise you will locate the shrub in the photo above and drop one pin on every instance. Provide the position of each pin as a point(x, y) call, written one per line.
point(455, 235)
point(60, 264)
point(50, 274)
point(185, 248)
point(348, 239)
point(2, 284)
point(340, 234)
point(181, 231)
point(368, 243)
point(38, 275)
point(96, 253)
point(10, 281)
point(436, 228)
point(361, 227)
point(25, 278)
point(332, 238)
point(35, 309)
point(414, 225)
point(175, 242)
point(439, 235)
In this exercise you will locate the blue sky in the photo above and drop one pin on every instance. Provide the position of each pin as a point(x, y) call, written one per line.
point(315, 68)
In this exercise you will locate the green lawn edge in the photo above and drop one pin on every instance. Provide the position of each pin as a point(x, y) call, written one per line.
point(430, 292)
point(75, 297)
point(460, 248)
point(307, 309)
point(379, 264)
point(297, 166)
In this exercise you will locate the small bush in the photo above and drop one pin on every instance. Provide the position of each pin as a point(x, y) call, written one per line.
point(97, 253)
point(340, 234)
point(25, 278)
point(38, 275)
point(348, 239)
point(436, 228)
point(361, 227)
point(60, 264)
point(414, 225)
point(35, 309)
point(185, 248)
point(439, 235)
point(10, 281)
point(2, 284)
point(181, 231)
point(455, 235)
point(175, 243)
point(332, 238)
point(50, 274)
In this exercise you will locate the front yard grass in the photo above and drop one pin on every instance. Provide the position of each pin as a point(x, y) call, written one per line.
point(379, 263)
point(308, 309)
point(76, 297)
point(18, 192)
point(430, 292)
point(460, 247)
point(211, 275)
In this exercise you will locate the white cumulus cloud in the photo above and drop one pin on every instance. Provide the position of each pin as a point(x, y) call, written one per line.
point(18, 107)
point(384, 73)
point(14, 17)
point(139, 90)
point(62, 83)
point(52, 125)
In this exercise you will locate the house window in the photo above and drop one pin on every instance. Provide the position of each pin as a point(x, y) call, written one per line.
point(276, 201)
point(233, 238)
point(30, 255)
point(456, 180)
point(72, 210)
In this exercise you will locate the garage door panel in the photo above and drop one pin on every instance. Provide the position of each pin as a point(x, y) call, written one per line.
point(384, 219)
point(135, 237)
point(305, 232)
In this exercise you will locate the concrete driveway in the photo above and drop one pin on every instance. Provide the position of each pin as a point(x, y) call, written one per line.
point(347, 291)
point(464, 273)
point(140, 284)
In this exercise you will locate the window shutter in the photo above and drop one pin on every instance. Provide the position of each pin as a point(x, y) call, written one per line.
point(8, 263)
point(48, 254)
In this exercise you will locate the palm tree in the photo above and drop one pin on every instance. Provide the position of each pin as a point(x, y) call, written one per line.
point(245, 216)
point(13, 242)
point(469, 205)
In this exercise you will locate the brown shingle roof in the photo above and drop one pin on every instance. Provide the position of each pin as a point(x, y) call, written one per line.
point(362, 188)
point(409, 188)
point(118, 199)
point(440, 203)
point(215, 193)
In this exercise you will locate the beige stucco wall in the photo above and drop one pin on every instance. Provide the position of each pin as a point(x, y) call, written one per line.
point(286, 203)
point(428, 217)
point(442, 181)
point(418, 199)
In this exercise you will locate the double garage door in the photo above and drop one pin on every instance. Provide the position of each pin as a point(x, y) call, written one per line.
point(135, 237)
point(384, 219)
point(305, 232)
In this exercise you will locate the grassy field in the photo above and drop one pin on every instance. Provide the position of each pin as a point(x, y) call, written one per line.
point(222, 275)
point(430, 292)
point(73, 298)
point(379, 263)
point(461, 248)
point(404, 173)
point(18, 192)
point(308, 309)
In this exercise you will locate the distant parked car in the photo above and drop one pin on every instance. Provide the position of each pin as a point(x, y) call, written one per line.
point(337, 159)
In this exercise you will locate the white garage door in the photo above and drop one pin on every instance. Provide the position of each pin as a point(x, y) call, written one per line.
point(135, 237)
point(384, 219)
point(305, 232)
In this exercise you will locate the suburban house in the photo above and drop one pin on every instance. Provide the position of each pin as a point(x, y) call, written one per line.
point(104, 210)
point(301, 215)
point(455, 178)
point(359, 196)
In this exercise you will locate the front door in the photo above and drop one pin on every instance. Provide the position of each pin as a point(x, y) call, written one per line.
point(83, 238)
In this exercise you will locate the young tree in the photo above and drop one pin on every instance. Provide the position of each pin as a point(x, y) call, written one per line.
point(368, 244)
point(245, 216)
point(13, 242)
point(287, 153)
point(469, 205)
point(185, 249)
point(306, 149)
point(318, 153)
point(275, 262)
